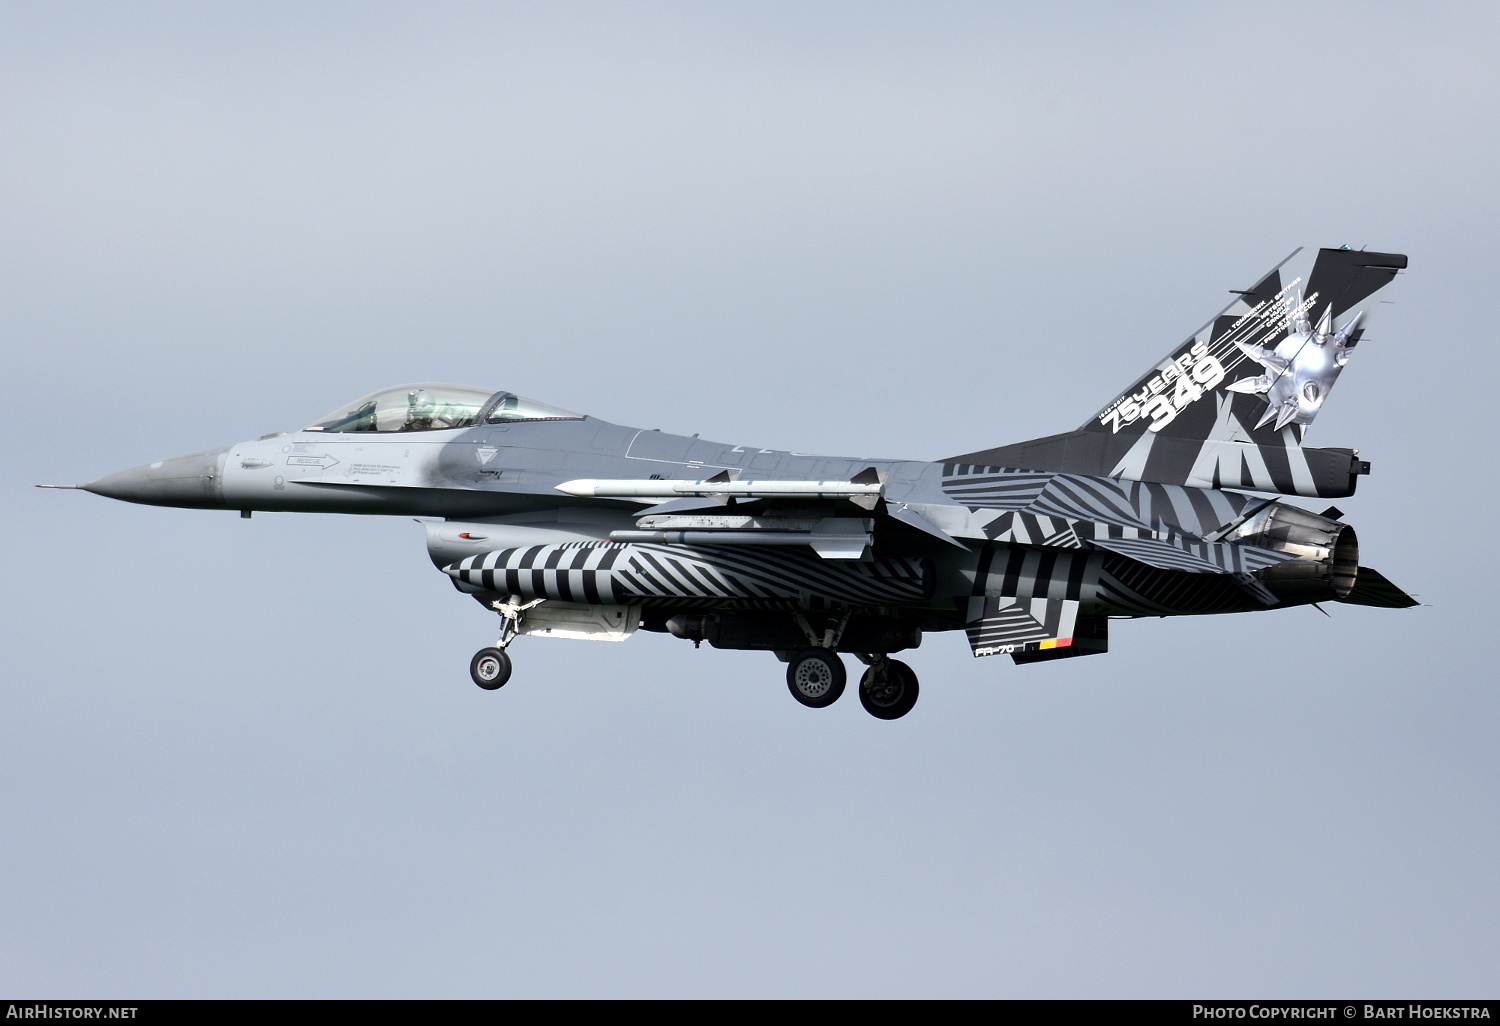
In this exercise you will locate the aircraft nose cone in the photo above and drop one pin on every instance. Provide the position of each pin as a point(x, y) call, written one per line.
point(195, 481)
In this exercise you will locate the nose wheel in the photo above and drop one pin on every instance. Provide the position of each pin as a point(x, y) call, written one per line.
point(888, 689)
point(490, 668)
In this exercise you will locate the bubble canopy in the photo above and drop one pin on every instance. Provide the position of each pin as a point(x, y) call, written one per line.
point(436, 407)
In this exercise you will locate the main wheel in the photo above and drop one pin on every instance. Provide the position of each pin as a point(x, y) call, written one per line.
point(816, 677)
point(889, 696)
point(490, 668)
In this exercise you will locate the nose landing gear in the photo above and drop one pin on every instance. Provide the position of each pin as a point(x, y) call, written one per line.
point(490, 668)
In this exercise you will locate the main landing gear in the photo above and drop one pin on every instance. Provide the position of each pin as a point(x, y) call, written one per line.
point(816, 677)
point(887, 690)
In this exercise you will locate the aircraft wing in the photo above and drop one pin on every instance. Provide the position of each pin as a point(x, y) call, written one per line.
point(724, 511)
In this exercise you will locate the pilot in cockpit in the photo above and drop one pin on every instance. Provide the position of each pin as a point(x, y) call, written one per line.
point(435, 407)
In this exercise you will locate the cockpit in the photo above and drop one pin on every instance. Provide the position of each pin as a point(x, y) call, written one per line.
point(435, 407)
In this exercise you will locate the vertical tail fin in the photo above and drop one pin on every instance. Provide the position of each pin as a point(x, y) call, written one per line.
point(1230, 405)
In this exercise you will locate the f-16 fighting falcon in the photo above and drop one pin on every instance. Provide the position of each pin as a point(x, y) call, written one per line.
point(1163, 503)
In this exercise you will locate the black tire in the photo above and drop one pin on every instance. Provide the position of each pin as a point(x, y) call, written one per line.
point(816, 677)
point(490, 668)
point(893, 697)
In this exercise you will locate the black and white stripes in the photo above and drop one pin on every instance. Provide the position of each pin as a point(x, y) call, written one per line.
point(999, 626)
point(992, 487)
point(620, 574)
point(1153, 508)
point(1158, 525)
point(1194, 556)
point(1129, 588)
point(1031, 529)
point(1023, 597)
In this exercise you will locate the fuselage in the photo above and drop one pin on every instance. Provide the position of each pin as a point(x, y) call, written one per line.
point(972, 522)
point(569, 526)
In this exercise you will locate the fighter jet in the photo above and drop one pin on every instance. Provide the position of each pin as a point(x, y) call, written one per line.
point(1164, 503)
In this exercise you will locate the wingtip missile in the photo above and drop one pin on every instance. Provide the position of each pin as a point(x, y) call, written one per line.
point(649, 489)
point(583, 486)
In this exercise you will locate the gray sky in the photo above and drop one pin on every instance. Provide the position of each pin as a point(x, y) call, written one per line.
point(244, 758)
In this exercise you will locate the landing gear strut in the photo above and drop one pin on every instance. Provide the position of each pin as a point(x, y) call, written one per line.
point(888, 689)
point(490, 667)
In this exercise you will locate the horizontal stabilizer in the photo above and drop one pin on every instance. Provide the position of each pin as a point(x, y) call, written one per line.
point(1372, 589)
point(1194, 557)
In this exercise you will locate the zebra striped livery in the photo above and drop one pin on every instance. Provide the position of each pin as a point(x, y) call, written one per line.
point(996, 626)
point(1153, 523)
point(565, 525)
point(1229, 406)
point(1128, 588)
point(1023, 597)
point(1195, 556)
point(620, 574)
point(1154, 509)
